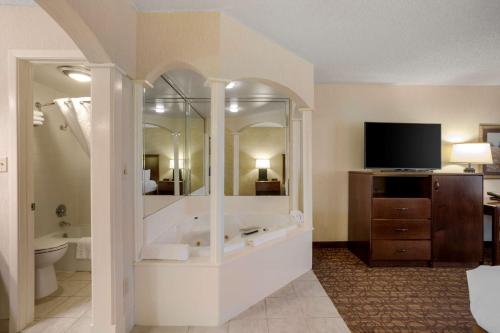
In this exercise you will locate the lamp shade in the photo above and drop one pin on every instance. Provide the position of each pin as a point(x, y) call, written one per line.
point(477, 153)
point(262, 164)
point(172, 164)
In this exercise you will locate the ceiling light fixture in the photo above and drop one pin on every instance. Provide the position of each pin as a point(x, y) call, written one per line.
point(231, 85)
point(77, 73)
point(234, 108)
point(160, 108)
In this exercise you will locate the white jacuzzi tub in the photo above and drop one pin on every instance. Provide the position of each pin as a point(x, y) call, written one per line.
point(191, 238)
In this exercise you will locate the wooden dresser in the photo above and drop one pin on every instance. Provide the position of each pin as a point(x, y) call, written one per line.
point(416, 218)
point(167, 187)
point(267, 187)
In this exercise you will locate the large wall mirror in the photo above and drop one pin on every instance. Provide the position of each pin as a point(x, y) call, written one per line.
point(175, 157)
point(256, 145)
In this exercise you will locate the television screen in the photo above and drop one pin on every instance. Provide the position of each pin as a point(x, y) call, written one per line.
point(402, 146)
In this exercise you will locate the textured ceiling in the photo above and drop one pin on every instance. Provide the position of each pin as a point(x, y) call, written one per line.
point(372, 41)
point(379, 41)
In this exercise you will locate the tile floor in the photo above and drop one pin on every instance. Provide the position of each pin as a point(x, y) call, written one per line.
point(300, 307)
point(67, 310)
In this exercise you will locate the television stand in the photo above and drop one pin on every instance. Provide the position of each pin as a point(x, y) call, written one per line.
point(407, 170)
point(416, 218)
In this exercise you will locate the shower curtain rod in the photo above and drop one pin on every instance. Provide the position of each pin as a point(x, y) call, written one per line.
point(39, 105)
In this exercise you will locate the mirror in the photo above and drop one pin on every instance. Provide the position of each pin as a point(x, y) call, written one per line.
point(256, 144)
point(174, 140)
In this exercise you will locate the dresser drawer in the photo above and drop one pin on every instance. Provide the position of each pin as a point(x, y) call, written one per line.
point(393, 208)
point(401, 250)
point(401, 229)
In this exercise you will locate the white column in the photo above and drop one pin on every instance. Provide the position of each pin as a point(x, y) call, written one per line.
point(296, 160)
point(176, 164)
point(236, 163)
point(206, 163)
point(106, 172)
point(138, 153)
point(307, 164)
point(217, 108)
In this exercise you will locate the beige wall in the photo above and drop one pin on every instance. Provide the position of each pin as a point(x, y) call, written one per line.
point(160, 141)
point(174, 40)
point(41, 33)
point(255, 142)
point(61, 169)
point(338, 134)
point(105, 31)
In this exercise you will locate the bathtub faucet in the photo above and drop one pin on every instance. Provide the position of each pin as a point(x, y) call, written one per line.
point(63, 224)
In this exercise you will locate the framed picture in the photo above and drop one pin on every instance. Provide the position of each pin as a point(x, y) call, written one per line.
point(491, 133)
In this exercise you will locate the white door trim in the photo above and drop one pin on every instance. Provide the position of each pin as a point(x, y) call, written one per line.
point(21, 189)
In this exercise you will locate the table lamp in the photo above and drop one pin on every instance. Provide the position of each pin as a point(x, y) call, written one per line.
point(471, 153)
point(262, 165)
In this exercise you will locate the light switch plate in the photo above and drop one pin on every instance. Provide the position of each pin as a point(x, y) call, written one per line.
point(3, 164)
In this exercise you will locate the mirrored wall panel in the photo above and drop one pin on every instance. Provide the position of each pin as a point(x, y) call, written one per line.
point(175, 160)
point(256, 158)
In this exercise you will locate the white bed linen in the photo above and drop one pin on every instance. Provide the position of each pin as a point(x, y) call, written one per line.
point(484, 294)
point(149, 186)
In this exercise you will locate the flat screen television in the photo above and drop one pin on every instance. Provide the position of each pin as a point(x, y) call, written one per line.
point(406, 146)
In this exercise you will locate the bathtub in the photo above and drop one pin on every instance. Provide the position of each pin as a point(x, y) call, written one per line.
point(69, 263)
point(191, 238)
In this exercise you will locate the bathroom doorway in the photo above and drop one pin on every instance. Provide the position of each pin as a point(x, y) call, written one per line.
point(61, 182)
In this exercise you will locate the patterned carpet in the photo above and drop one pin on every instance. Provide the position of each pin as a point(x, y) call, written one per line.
point(394, 299)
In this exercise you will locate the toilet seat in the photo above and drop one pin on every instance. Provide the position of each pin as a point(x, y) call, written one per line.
point(49, 244)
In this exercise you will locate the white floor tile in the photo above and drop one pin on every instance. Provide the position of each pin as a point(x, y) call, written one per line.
point(318, 307)
point(62, 276)
point(287, 325)
point(47, 304)
point(168, 329)
point(248, 326)
point(309, 276)
point(327, 325)
point(70, 288)
point(283, 307)
point(220, 329)
point(309, 288)
point(50, 325)
point(82, 325)
point(72, 307)
point(287, 290)
point(80, 276)
point(85, 291)
point(257, 311)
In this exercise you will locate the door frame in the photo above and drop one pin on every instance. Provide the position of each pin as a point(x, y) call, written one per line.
point(20, 176)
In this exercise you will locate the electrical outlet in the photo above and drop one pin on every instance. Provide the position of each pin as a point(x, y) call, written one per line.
point(3, 164)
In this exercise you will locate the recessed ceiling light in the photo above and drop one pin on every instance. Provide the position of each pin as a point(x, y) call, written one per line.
point(231, 85)
point(160, 108)
point(77, 73)
point(234, 108)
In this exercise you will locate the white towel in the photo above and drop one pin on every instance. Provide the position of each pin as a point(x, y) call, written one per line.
point(297, 216)
point(37, 123)
point(83, 248)
point(35, 118)
point(166, 251)
point(37, 113)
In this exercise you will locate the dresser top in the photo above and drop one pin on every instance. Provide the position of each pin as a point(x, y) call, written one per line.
point(412, 173)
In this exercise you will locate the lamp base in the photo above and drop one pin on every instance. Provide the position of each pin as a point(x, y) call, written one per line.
point(262, 175)
point(469, 169)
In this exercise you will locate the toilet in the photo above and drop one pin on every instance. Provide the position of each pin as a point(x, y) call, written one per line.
point(48, 250)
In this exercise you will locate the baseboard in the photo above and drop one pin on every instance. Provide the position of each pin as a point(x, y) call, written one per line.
point(330, 244)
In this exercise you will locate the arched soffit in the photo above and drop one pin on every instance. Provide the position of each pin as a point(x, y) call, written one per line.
point(288, 92)
point(269, 124)
point(76, 28)
point(152, 125)
point(170, 65)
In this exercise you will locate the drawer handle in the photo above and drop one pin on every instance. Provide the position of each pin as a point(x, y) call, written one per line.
point(401, 209)
point(402, 229)
point(401, 250)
